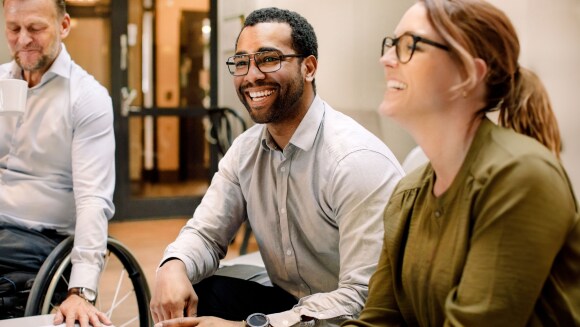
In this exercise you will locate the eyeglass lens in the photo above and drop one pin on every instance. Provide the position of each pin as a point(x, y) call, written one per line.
point(404, 47)
point(267, 62)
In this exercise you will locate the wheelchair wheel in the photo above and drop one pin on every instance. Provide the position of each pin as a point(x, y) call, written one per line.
point(123, 294)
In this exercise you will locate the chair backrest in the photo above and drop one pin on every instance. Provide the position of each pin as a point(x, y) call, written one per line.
point(225, 125)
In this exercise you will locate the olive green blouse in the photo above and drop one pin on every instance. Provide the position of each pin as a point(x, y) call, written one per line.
point(501, 247)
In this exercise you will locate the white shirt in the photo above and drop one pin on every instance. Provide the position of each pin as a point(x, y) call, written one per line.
point(315, 209)
point(415, 159)
point(57, 162)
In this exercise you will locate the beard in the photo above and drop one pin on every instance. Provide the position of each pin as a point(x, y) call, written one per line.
point(286, 106)
point(39, 64)
point(42, 63)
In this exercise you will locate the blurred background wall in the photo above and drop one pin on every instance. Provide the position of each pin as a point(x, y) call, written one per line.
point(350, 78)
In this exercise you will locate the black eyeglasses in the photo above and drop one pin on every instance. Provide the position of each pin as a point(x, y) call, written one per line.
point(406, 44)
point(266, 61)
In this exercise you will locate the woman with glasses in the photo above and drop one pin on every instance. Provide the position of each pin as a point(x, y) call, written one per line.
point(487, 233)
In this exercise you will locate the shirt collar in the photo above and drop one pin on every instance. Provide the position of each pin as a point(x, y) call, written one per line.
point(60, 67)
point(305, 134)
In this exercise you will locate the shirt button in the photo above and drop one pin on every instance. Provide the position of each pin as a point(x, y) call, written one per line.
point(437, 214)
point(283, 210)
point(283, 169)
point(288, 252)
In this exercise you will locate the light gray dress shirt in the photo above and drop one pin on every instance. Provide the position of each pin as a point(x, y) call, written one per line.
point(315, 209)
point(57, 162)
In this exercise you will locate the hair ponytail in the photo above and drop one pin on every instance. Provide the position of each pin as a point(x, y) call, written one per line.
point(527, 110)
point(477, 29)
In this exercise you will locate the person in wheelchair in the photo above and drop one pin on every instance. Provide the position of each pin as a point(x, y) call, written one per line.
point(56, 160)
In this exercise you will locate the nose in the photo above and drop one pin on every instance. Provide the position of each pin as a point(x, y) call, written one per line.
point(23, 37)
point(254, 73)
point(389, 58)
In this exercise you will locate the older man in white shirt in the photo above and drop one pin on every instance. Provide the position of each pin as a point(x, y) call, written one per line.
point(57, 170)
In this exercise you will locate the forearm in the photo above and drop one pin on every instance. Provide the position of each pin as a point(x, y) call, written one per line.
point(190, 249)
point(204, 240)
point(90, 243)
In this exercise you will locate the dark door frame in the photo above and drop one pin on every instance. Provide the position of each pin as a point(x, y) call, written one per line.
point(128, 207)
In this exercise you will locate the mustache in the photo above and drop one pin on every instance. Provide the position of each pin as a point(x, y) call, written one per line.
point(29, 48)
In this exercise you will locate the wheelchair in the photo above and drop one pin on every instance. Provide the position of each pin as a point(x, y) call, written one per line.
point(123, 294)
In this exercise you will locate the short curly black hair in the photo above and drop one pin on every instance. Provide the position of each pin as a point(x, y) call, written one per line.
point(303, 36)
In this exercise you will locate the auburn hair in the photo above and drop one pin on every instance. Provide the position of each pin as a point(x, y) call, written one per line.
point(477, 29)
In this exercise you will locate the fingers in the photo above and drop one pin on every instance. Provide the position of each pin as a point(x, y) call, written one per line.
point(198, 321)
point(90, 319)
point(172, 293)
point(179, 322)
point(94, 319)
point(103, 318)
point(167, 311)
point(77, 309)
point(70, 320)
point(154, 316)
point(83, 321)
point(191, 309)
point(58, 318)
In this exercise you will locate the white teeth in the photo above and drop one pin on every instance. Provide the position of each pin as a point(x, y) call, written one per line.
point(260, 94)
point(396, 85)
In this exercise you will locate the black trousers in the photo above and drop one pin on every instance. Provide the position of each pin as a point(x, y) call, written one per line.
point(235, 299)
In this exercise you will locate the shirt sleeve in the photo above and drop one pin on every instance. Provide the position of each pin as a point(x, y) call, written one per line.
point(93, 171)
point(203, 241)
point(362, 185)
point(381, 308)
point(505, 270)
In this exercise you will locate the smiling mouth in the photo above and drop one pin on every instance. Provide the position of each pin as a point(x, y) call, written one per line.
point(396, 85)
point(260, 95)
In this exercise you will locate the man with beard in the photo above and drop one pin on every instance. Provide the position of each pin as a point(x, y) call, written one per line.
point(57, 170)
point(310, 181)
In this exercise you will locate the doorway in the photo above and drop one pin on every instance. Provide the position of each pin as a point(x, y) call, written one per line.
point(157, 58)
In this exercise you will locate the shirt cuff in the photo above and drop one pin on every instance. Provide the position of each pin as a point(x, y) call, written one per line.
point(284, 319)
point(84, 275)
point(189, 269)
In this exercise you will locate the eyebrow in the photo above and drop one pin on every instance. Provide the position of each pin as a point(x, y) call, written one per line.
point(262, 49)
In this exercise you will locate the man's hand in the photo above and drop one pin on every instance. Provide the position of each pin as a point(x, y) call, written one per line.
point(75, 308)
point(173, 294)
point(199, 321)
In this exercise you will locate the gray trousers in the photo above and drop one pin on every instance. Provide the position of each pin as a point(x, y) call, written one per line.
point(25, 250)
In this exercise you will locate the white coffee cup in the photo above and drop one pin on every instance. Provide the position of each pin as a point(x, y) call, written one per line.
point(13, 96)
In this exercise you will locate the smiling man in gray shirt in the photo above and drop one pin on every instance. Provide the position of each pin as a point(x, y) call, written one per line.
point(312, 183)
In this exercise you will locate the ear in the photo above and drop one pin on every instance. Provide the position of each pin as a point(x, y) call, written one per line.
point(480, 89)
point(309, 65)
point(480, 69)
point(64, 26)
